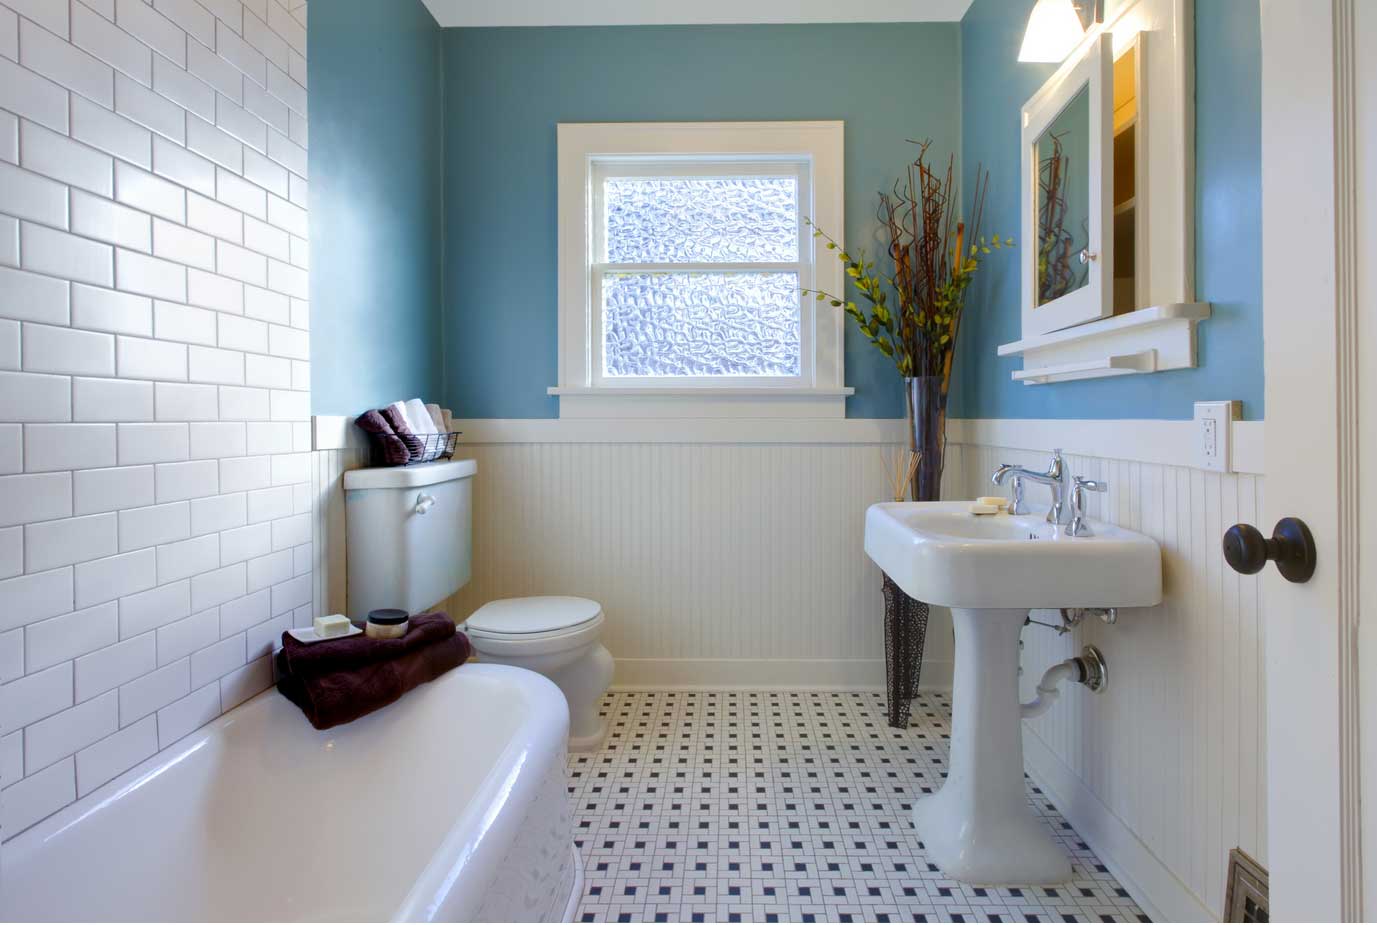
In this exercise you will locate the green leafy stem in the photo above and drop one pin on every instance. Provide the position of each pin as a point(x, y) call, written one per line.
point(917, 338)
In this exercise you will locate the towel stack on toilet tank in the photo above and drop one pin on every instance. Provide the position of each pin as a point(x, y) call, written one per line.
point(406, 432)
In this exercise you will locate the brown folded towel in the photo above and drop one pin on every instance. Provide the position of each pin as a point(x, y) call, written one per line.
point(313, 659)
point(394, 451)
point(343, 696)
point(414, 444)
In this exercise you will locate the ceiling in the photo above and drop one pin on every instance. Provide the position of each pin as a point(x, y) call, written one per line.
point(666, 12)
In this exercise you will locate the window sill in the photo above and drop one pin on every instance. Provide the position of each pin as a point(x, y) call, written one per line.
point(585, 402)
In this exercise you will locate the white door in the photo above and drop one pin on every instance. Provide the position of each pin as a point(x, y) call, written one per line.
point(1319, 140)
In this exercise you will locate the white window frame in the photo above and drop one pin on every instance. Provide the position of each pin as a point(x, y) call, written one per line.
point(588, 152)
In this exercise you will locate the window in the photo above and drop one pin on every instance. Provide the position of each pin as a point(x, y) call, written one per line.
point(700, 271)
point(684, 253)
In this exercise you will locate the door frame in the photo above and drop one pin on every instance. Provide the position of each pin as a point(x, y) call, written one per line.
point(1311, 310)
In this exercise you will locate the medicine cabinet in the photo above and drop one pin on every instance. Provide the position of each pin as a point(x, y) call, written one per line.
point(1107, 282)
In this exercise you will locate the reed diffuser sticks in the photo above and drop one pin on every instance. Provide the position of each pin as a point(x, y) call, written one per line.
point(900, 467)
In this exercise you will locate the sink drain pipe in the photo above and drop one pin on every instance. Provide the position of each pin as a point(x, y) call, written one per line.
point(1088, 668)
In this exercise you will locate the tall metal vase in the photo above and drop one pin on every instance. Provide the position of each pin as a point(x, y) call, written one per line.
point(906, 619)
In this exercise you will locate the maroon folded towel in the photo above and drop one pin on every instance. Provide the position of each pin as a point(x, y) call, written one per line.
point(343, 696)
point(394, 451)
point(414, 444)
point(313, 659)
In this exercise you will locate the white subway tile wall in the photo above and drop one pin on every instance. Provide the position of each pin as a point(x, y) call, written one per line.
point(155, 500)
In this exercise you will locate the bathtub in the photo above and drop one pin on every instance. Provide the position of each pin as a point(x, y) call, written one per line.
point(447, 805)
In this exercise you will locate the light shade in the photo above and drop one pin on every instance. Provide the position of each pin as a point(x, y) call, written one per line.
point(1054, 29)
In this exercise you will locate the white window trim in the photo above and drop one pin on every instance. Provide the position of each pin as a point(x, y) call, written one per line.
point(819, 392)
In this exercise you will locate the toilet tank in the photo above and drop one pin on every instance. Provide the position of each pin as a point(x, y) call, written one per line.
point(409, 534)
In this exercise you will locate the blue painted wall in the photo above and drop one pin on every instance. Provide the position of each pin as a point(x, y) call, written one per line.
point(377, 171)
point(433, 189)
point(506, 89)
point(1228, 225)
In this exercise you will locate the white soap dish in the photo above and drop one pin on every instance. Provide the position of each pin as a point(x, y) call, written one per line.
point(307, 634)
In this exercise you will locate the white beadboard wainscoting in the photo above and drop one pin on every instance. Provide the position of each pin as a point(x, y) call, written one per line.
point(733, 564)
point(732, 555)
point(1165, 770)
point(154, 377)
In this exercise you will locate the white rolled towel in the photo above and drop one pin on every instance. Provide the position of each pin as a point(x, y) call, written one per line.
point(419, 418)
point(437, 418)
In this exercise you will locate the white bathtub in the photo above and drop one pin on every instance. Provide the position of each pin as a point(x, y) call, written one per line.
point(447, 805)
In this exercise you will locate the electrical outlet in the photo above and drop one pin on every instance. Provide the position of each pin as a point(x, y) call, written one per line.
point(1213, 429)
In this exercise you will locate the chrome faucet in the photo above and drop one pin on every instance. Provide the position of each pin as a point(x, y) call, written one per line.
point(1057, 478)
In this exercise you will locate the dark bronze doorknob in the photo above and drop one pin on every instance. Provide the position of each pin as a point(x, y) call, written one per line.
point(1291, 547)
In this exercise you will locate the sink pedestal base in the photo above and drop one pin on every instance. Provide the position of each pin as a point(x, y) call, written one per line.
point(979, 828)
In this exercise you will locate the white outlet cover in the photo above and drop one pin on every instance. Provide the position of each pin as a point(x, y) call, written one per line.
point(1213, 433)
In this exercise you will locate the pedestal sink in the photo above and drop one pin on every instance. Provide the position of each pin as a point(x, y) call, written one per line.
point(990, 570)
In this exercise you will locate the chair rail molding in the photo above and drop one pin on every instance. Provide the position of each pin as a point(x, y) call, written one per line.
point(1170, 443)
point(1163, 442)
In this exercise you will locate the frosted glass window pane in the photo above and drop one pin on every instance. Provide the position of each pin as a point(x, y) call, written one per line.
point(746, 219)
point(700, 324)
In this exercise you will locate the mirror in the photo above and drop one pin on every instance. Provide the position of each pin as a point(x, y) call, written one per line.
point(1106, 219)
point(1063, 201)
point(1067, 195)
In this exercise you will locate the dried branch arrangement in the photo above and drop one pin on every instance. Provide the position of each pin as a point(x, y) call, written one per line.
point(933, 254)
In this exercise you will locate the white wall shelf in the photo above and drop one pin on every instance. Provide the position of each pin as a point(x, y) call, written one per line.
point(1148, 340)
point(1116, 365)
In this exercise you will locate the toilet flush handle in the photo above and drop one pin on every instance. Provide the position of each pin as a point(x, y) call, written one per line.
point(424, 502)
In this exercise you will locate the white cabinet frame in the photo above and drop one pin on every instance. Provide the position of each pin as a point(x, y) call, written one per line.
point(1161, 334)
point(1093, 72)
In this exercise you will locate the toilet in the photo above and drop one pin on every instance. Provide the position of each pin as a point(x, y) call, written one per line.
point(410, 545)
point(558, 637)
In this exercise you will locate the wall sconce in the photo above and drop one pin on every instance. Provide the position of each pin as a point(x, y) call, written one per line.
point(1056, 27)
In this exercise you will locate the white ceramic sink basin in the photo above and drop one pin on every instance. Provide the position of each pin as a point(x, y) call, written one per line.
point(991, 570)
point(941, 553)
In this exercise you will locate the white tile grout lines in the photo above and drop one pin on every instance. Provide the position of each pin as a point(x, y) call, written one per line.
point(788, 806)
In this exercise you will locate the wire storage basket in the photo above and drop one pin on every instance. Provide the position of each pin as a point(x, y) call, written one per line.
point(387, 449)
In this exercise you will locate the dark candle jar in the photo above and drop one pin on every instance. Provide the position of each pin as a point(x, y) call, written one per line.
point(387, 623)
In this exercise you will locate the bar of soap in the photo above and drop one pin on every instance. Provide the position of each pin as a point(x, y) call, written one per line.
point(978, 508)
point(996, 500)
point(333, 625)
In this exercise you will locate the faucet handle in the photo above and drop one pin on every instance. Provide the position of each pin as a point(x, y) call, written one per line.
point(1017, 505)
point(1079, 486)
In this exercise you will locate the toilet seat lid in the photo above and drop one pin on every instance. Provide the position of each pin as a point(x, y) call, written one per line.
point(522, 615)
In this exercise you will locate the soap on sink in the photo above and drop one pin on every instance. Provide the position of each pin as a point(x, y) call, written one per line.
point(333, 625)
point(996, 500)
point(978, 508)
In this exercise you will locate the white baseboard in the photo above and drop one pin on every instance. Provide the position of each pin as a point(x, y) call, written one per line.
point(768, 673)
point(1153, 887)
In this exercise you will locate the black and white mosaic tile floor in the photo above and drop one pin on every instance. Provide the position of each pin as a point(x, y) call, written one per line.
point(744, 806)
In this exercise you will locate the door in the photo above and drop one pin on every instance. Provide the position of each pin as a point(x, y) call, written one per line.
point(1317, 129)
